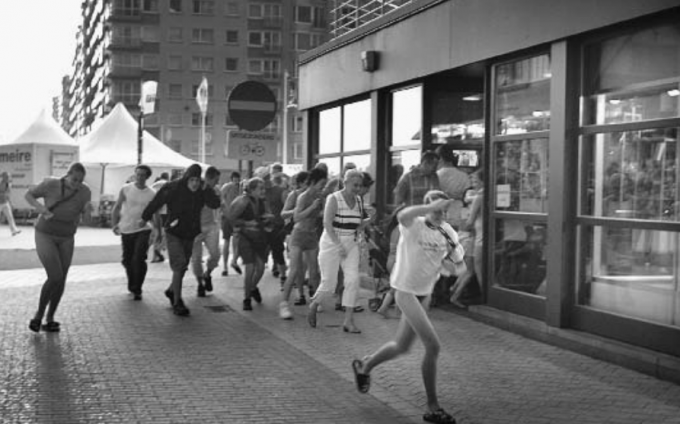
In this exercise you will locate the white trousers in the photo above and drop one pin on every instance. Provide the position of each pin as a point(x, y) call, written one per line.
point(6, 209)
point(330, 261)
point(210, 236)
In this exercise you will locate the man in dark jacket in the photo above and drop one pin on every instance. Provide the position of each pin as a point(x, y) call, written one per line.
point(184, 199)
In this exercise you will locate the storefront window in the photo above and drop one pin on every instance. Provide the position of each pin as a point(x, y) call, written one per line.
point(406, 143)
point(521, 175)
point(633, 174)
point(357, 126)
point(633, 77)
point(457, 117)
point(345, 136)
point(632, 272)
point(519, 256)
point(518, 175)
point(329, 131)
point(407, 116)
point(523, 96)
point(629, 211)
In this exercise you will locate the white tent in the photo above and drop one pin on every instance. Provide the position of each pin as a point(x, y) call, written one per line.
point(109, 153)
point(43, 149)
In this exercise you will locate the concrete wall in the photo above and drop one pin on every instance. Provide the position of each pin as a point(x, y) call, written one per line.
point(452, 34)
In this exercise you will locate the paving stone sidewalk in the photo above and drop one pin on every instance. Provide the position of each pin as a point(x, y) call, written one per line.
point(120, 361)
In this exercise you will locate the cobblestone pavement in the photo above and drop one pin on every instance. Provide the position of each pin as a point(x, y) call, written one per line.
point(121, 361)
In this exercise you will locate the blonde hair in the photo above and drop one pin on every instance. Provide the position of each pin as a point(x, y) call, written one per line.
point(353, 173)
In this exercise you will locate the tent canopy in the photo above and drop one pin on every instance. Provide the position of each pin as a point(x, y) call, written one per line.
point(44, 131)
point(114, 143)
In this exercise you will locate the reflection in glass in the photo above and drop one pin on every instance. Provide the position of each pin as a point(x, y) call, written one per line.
point(407, 115)
point(333, 164)
point(633, 174)
point(519, 256)
point(651, 54)
point(523, 96)
point(632, 272)
point(521, 175)
point(457, 117)
point(402, 162)
point(363, 162)
point(357, 126)
point(329, 131)
point(634, 105)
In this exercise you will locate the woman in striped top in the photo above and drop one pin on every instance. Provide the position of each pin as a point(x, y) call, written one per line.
point(339, 246)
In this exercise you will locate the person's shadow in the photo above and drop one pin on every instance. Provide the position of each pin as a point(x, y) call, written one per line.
point(54, 381)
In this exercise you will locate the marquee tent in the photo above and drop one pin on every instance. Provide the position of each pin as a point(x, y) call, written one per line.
point(43, 149)
point(109, 153)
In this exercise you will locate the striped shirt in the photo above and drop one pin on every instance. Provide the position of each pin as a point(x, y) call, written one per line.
point(346, 220)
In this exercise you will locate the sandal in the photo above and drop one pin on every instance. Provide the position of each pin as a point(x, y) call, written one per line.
point(51, 327)
point(34, 325)
point(363, 381)
point(439, 417)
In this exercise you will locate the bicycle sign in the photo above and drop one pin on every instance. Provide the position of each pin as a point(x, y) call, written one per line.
point(255, 146)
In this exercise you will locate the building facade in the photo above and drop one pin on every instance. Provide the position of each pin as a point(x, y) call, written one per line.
point(571, 109)
point(176, 43)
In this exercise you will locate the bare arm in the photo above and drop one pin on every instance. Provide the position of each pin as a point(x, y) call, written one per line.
point(115, 212)
point(328, 215)
point(409, 213)
point(39, 207)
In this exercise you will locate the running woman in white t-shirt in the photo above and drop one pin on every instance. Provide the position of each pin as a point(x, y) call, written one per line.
point(428, 247)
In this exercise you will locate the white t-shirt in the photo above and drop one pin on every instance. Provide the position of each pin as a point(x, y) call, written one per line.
point(420, 253)
point(135, 202)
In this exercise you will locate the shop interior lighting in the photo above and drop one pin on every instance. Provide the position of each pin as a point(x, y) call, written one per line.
point(614, 101)
point(472, 98)
point(674, 92)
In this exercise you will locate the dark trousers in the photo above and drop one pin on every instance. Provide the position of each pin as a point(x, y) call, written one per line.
point(135, 247)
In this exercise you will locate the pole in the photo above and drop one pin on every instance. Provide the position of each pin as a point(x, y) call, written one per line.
point(140, 136)
point(284, 144)
point(201, 146)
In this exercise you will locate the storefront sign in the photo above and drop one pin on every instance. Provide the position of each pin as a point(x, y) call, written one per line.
point(503, 195)
point(255, 146)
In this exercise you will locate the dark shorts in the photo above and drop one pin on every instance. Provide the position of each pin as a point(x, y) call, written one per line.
point(250, 251)
point(227, 229)
point(305, 240)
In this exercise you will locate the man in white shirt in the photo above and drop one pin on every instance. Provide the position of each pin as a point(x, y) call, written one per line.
point(125, 217)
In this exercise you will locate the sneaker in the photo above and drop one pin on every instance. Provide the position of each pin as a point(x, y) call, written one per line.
point(255, 293)
point(300, 301)
point(284, 311)
point(225, 273)
point(180, 310)
point(200, 292)
point(275, 273)
point(170, 296)
point(137, 296)
point(208, 282)
point(14, 233)
point(247, 306)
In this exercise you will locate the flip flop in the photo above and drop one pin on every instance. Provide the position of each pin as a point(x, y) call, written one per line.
point(363, 381)
point(439, 417)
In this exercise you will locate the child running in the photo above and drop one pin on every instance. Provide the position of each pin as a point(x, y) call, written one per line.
point(428, 246)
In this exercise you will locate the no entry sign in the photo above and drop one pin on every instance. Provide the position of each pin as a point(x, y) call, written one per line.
point(251, 105)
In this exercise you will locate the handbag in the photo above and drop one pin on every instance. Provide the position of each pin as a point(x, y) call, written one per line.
point(459, 266)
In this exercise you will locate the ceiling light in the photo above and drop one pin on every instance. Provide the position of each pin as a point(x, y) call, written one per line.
point(472, 98)
point(674, 92)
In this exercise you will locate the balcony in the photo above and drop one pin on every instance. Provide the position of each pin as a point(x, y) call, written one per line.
point(347, 15)
point(272, 22)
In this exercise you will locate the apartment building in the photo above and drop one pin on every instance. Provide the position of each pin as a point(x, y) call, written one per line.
point(123, 43)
